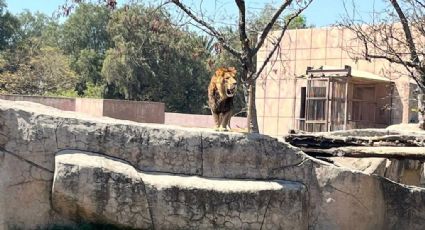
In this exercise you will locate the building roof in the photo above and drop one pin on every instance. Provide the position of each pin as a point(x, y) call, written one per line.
point(332, 71)
point(368, 76)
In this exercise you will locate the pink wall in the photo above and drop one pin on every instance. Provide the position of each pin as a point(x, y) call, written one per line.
point(201, 121)
point(140, 111)
point(93, 107)
point(62, 103)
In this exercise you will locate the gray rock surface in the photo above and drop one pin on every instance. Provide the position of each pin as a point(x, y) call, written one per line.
point(98, 188)
point(368, 165)
point(337, 198)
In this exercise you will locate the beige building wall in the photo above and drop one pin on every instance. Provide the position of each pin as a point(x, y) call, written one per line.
point(277, 87)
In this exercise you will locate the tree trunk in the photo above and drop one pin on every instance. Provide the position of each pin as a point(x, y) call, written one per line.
point(421, 108)
point(252, 123)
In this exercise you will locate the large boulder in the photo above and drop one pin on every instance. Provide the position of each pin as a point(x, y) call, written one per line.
point(106, 190)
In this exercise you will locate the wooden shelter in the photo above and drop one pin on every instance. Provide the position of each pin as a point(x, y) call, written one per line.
point(339, 99)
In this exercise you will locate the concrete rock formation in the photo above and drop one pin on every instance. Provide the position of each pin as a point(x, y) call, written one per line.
point(95, 187)
point(155, 176)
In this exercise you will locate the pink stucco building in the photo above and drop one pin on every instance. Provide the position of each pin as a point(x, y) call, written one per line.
point(314, 83)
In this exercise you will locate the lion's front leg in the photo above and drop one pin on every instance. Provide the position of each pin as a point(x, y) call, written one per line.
point(225, 120)
point(216, 117)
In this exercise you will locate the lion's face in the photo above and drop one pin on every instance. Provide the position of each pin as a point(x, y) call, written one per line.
point(226, 81)
point(230, 84)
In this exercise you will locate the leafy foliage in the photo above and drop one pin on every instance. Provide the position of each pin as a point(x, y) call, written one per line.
point(9, 24)
point(30, 65)
point(257, 21)
point(85, 38)
point(153, 60)
point(45, 71)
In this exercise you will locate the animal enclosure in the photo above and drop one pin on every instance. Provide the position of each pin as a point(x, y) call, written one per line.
point(338, 99)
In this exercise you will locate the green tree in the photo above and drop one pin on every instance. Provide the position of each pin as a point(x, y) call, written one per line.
point(258, 20)
point(9, 24)
point(153, 60)
point(46, 71)
point(28, 38)
point(86, 28)
point(85, 38)
point(32, 64)
point(32, 24)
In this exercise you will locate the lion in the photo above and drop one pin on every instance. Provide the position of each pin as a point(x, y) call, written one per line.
point(221, 90)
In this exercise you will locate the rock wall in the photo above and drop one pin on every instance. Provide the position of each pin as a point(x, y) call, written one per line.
point(178, 175)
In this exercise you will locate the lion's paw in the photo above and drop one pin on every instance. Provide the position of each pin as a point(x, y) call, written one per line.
point(221, 129)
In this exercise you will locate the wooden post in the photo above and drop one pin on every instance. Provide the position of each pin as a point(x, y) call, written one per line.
point(294, 113)
point(331, 84)
point(421, 110)
point(307, 101)
point(327, 106)
point(346, 104)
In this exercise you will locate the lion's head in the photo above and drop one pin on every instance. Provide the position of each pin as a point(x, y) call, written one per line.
point(226, 81)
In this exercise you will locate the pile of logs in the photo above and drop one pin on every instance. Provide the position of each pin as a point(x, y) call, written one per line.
point(361, 143)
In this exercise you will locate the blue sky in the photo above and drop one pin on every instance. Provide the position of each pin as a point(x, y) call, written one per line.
point(320, 13)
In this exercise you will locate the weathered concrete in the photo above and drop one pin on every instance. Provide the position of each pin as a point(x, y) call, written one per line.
point(367, 165)
point(98, 188)
point(200, 121)
point(338, 198)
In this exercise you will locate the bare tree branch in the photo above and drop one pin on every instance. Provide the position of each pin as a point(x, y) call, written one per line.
point(408, 34)
point(243, 37)
point(279, 39)
point(220, 37)
point(269, 26)
point(422, 4)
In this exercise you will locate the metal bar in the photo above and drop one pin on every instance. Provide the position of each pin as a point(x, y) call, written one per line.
point(332, 89)
point(346, 105)
point(316, 122)
point(327, 106)
point(347, 69)
point(295, 103)
point(307, 103)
